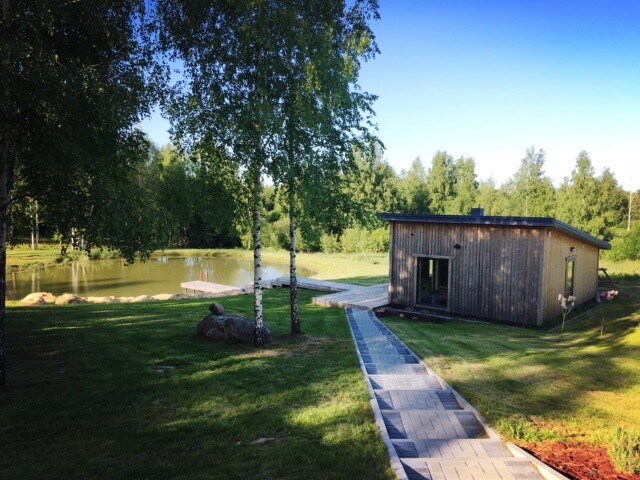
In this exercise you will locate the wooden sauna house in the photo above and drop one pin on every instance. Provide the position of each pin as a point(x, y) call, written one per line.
point(509, 269)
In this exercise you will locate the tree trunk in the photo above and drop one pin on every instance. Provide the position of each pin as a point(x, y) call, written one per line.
point(6, 175)
point(259, 336)
point(629, 211)
point(37, 227)
point(293, 258)
point(3, 273)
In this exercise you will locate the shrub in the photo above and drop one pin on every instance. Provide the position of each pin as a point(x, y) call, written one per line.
point(625, 245)
point(356, 240)
point(625, 451)
point(276, 235)
point(351, 240)
point(330, 243)
point(379, 240)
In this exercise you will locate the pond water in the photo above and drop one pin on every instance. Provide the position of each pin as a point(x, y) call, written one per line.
point(157, 275)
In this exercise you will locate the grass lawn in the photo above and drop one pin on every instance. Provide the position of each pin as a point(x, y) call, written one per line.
point(537, 385)
point(129, 391)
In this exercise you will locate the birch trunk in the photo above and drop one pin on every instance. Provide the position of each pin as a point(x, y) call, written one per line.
point(6, 174)
point(258, 309)
point(3, 272)
point(293, 259)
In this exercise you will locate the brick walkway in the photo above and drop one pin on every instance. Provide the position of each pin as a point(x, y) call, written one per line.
point(434, 437)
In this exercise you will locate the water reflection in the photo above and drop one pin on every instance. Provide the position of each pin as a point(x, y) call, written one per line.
point(113, 277)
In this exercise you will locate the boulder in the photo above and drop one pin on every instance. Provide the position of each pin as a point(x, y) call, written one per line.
point(69, 299)
point(230, 328)
point(216, 308)
point(110, 299)
point(143, 299)
point(39, 298)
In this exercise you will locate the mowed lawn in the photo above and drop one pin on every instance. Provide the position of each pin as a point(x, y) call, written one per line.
point(129, 391)
point(537, 385)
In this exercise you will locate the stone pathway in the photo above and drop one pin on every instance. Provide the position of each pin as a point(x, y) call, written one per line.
point(433, 436)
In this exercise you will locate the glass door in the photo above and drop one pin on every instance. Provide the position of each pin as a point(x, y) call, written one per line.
point(433, 282)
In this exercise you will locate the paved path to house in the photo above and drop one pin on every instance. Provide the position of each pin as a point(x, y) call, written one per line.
point(433, 436)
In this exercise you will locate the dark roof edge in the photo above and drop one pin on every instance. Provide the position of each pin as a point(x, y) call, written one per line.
point(544, 222)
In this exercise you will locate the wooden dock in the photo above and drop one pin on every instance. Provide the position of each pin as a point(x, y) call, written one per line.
point(366, 298)
point(313, 284)
point(213, 289)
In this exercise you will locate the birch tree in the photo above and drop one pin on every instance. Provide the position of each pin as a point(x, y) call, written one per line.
point(227, 104)
point(325, 113)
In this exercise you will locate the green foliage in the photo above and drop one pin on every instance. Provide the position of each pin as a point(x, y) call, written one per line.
point(625, 245)
point(441, 183)
point(276, 235)
point(355, 240)
point(371, 188)
point(330, 243)
point(590, 203)
point(530, 190)
point(413, 187)
point(465, 187)
point(518, 427)
point(625, 451)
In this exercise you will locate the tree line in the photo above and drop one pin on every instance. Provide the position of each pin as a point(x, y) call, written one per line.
point(196, 207)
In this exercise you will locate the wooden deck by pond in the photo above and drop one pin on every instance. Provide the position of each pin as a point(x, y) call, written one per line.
point(211, 288)
point(366, 298)
point(342, 294)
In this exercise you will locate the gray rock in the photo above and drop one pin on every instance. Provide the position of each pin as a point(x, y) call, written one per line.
point(230, 328)
point(216, 308)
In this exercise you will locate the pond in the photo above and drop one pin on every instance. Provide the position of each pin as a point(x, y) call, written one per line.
point(157, 275)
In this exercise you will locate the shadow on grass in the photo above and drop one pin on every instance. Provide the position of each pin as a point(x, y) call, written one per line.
point(129, 391)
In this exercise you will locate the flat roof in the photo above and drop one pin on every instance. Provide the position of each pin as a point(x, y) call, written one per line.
point(493, 221)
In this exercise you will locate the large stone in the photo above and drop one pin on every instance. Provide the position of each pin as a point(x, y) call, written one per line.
point(39, 298)
point(69, 299)
point(216, 308)
point(230, 328)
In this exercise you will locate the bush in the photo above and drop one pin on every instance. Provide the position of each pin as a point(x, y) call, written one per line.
point(351, 240)
point(625, 451)
point(379, 240)
point(356, 240)
point(625, 245)
point(276, 235)
point(330, 243)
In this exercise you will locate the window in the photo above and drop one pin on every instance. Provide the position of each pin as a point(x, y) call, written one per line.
point(569, 275)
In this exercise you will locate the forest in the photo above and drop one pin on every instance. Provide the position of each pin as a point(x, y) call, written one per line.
point(192, 202)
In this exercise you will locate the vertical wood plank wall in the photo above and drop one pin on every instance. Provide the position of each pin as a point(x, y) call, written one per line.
point(586, 271)
point(495, 274)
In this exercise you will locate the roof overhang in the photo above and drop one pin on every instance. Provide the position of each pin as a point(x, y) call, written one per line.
point(493, 221)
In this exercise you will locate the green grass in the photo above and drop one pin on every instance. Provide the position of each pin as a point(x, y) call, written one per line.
point(535, 385)
point(129, 391)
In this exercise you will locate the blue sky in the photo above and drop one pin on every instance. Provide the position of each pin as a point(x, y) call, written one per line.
point(488, 79)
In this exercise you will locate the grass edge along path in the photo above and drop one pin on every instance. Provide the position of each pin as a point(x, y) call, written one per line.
point(129, 391)
point(539, 387)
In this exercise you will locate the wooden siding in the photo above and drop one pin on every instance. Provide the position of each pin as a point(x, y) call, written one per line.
point(495, 274)
point(586, 271)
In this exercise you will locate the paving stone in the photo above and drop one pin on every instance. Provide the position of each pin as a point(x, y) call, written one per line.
point(448, 400)
point(435, 437)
